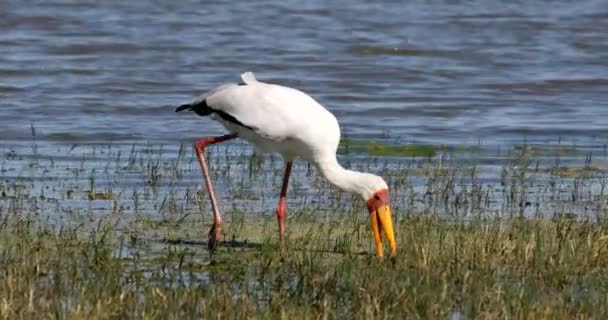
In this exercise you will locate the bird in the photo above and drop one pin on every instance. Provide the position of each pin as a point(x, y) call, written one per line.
point(284, 120)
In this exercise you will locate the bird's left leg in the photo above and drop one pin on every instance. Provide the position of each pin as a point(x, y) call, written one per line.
point(199, 146)
point(282, 207)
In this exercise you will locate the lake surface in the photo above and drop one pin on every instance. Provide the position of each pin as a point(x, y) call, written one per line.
point(87, 90)
point(447, 72)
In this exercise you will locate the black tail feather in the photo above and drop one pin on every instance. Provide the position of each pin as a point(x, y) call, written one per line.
point(183, 107)
point(201, 108)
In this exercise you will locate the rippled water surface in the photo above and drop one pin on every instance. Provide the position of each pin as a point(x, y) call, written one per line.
point(86, 90)
point(449, 72)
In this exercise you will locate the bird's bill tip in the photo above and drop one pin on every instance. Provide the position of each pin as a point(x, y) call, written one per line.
point(382, 222)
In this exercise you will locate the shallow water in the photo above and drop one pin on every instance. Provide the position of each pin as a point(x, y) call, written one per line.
point(448, 72)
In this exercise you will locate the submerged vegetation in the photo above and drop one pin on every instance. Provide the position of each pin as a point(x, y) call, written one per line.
point(120, 232)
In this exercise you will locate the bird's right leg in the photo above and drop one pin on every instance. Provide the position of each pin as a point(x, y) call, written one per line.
point(282, 207)
point(199, 147)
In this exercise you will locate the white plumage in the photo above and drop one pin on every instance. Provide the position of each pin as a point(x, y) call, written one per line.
point(275, 118)
point(283, 119)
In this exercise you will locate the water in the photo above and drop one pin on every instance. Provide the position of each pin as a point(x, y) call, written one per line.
point(78, 78)
point(448, 72)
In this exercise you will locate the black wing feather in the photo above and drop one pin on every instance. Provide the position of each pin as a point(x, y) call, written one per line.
point(202, 109)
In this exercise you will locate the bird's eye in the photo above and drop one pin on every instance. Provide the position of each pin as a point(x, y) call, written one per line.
point(377, 197)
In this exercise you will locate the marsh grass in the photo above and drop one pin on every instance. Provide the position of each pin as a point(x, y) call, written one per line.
point(375, 148)
point(519, 268)
point(120, 232)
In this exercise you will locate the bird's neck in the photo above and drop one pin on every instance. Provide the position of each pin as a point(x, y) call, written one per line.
point(347, 180)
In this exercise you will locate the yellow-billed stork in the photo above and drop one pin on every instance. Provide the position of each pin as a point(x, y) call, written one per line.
point(287, 121)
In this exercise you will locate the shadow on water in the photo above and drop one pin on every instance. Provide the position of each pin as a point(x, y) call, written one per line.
point(246, 244)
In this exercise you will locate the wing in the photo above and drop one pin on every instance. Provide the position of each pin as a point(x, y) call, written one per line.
point(272, 111)
point(277, 113)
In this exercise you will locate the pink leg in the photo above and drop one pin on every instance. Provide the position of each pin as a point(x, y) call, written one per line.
point(282, 208)
point(199, 146)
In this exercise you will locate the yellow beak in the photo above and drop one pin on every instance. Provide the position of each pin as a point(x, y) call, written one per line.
point(382, 221)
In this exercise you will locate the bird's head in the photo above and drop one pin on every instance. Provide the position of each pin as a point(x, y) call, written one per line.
point(378, 204)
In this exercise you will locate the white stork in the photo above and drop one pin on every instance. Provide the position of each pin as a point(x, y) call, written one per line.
point(275, 118)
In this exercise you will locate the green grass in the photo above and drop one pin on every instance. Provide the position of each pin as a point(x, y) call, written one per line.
point(375, 148)
point(540, 150)
point(572, 172)
point(480, 269)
